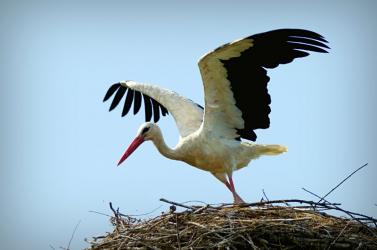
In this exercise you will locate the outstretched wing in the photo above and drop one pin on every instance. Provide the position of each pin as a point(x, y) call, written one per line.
point(187, 114)
point(235, 79)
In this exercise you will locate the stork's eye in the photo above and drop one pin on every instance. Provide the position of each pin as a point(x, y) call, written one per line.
point(145, 130)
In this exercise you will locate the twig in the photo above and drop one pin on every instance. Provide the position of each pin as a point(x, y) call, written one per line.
point(256, 204)
point(201, 209)
point(124, 215)
point(310, 192)
point(359, 246)
point(343, 181)
point(276, 219)
point(197, 201)
point(251, 242)
point(116, 212)
point(341, 232)
point(73, 234)
point(177, 230)
point(148, 213)
point(316, 195)
point(91, 211)
point(118, 220)
point(263, 203)
point(265, 195)
point(196, 224)
point(176, 204)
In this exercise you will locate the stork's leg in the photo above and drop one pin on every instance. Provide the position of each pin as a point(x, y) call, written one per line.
point(227, 185)
point(237, 198)
point(222, 177)
point(230, 185)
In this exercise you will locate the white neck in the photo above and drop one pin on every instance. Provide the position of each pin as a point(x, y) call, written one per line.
point(160, 144)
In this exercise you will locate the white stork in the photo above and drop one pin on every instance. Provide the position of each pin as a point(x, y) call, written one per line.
point(236, 103)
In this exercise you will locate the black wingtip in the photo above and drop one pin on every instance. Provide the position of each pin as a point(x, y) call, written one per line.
point(118, 96)
point(147, 108)
point(128, 102)
point(111, 91)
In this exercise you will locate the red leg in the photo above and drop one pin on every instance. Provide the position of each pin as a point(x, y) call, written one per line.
point(237, 198)
point(228, 185)
point(231, 183)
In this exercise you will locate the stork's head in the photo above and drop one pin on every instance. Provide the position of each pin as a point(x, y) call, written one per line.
point(146, 132)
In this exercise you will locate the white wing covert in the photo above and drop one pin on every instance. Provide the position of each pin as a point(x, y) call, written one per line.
point(187, 114)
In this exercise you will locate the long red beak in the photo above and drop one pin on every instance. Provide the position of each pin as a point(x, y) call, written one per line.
point(133, 146)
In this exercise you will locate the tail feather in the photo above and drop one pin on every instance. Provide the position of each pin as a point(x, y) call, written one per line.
point(270, 149)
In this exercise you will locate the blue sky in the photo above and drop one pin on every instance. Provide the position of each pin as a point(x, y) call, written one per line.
point(60, 145)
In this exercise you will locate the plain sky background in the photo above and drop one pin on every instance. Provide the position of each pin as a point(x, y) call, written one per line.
point(60, 145)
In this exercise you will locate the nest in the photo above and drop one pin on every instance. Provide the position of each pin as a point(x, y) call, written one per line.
point(288, 224)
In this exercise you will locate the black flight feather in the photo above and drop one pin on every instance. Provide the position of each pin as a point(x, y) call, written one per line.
point(117, 98)
point(156, 110)
point(147, 108)
point(111, 91)
point(128, 102)
point(137, 102)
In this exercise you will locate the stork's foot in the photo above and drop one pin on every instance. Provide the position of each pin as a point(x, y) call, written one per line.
point(238, 199)
point(230, 185)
